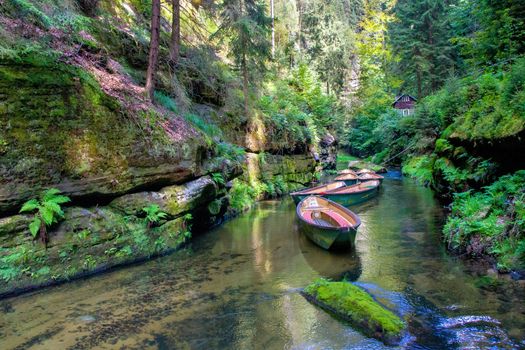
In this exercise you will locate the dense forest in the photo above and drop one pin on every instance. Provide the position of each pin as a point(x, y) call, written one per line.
point(162, 110)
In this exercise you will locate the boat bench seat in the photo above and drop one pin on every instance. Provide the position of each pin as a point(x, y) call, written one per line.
point(341, 221)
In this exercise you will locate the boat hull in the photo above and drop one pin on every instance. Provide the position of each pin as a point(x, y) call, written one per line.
point(347, 199)
point(329, 238)
point(366, 180)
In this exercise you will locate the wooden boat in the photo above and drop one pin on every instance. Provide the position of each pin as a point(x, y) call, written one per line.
point(370, 177)
point(350, 195)
point(346, 171)
point(349, 179)
point(327, 224)
point(365, 171)
point(318, 190)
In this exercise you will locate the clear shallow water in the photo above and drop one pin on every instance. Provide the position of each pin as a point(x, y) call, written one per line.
point(236, 287)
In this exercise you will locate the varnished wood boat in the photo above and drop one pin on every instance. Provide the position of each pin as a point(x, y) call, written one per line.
point(349, 179)
point(370, 177)
point(346, 171)
point(327, 224)
point(318, 190)
point(365, 171)
point(354, 194)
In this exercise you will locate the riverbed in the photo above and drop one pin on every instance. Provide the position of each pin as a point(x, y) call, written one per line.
point(236, 287)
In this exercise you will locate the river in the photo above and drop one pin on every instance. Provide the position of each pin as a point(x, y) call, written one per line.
point(236, 287)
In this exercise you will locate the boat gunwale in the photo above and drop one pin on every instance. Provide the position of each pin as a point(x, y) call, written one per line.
point(341, 191)
point(356, 217)
point(307, 190)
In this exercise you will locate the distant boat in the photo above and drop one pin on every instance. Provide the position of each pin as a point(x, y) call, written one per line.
point(318, 190)
point(346, 171)
point(370, 177)
point(350, 195)
point(365, 171)
point(349, 179)
point(327, 224)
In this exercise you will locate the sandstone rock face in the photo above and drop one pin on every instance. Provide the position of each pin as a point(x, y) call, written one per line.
point(293, 168)
point(328, 151)
point(58, 129)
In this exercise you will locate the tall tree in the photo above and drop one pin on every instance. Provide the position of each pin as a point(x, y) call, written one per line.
point(421, 37)
point(153, 49)
point(272, 15)
point(245, 26)
point(175, 34)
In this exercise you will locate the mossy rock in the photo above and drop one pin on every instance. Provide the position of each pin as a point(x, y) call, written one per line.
point(173, 200)
point(356, 306)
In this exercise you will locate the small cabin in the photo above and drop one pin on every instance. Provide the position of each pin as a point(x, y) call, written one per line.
point(405, 104)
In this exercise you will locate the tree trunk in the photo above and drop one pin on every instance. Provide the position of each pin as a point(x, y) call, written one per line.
point(273, 28)
point(327, 88)
point(245, 86)
point(153, 48)
point(175, 35)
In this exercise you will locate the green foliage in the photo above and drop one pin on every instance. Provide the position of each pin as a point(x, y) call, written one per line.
point(153, 215)
point(25, 9)
point(49, 211)
point(358, 306)
point(218, 179)
point(420, 168)
point(491, 222)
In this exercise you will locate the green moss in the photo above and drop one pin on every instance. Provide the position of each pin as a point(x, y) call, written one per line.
point(358, 307)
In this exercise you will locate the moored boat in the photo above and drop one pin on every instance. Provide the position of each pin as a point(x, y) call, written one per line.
point(346, 171)
point(318, 191)
point(350, 195)
point(370, 177)
point(349, 179)
point(326, 223)
point(365, 171)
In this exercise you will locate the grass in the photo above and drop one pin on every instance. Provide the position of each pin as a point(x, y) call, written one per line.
point(358, 307)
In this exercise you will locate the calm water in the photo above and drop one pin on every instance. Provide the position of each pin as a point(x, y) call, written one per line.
point(236, 287)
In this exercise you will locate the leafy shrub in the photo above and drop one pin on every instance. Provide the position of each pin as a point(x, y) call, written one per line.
point(49, 211)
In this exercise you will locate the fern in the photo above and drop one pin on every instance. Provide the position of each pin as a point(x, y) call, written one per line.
point(153, 215)
point(48, 211)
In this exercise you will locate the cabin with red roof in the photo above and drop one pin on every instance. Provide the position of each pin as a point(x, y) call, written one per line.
point(405, 104)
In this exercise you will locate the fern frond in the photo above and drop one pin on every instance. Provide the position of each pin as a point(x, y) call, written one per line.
point(34, 226)
point(47, 215)
point(30, 206)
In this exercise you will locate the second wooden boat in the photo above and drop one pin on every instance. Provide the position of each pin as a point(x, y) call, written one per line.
point(318, 191)
point(327, 224)
point(349, 179)
point(370, 177)
point(354, 194)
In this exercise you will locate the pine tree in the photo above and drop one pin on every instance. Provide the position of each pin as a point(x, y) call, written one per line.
point(245, 26)
point(421, 38)
point(153, 49)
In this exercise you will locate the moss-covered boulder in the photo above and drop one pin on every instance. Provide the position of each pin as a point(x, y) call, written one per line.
point(356, 306)
point(173, 200)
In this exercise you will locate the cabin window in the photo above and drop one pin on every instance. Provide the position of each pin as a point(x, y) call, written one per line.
point(406, 112)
